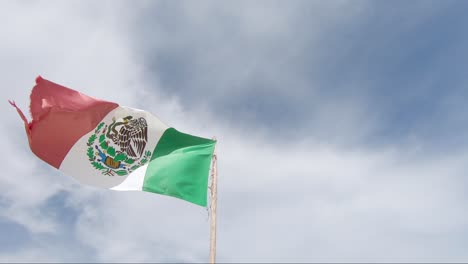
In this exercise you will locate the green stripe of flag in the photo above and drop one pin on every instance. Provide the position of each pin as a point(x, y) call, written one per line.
point(180, 166)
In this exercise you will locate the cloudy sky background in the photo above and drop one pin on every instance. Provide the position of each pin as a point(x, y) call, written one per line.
point(341, 128)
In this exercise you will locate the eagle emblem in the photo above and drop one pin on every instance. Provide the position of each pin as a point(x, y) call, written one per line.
point(120, 147)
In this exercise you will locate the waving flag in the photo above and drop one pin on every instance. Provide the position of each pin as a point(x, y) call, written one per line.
point(103, 144)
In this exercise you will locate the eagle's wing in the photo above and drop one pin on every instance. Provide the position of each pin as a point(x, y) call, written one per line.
point(139, 139)
point(124, 141)
point(133, 138)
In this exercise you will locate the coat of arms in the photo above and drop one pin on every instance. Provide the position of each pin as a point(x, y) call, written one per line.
point(120, 146)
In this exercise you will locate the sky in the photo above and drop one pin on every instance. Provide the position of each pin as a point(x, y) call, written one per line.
point(340, 125)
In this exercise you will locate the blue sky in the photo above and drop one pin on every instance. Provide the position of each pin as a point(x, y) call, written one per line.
point(341, 128)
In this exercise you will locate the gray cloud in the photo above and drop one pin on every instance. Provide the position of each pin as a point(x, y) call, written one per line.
point(383, 73)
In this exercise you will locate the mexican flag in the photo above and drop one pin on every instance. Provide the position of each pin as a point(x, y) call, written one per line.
point(103, 144)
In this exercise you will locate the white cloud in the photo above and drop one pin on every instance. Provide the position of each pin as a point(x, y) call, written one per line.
point(28, 256)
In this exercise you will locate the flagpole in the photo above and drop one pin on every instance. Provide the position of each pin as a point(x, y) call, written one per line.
point(213, 202)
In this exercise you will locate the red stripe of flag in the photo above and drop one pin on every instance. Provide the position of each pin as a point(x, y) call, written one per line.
point(60, 117)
